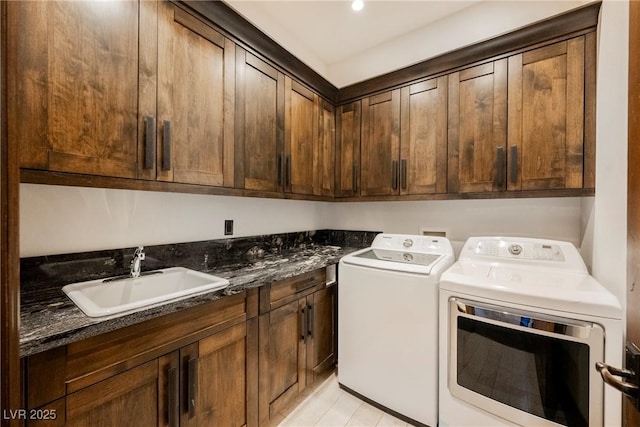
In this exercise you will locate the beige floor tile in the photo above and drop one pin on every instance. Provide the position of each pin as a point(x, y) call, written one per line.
point(329, 406)
point(340, 412)
point(311, 409)
point(390, 421)
point(365, 416)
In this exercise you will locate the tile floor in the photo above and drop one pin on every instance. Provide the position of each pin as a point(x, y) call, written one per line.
point(329, 406)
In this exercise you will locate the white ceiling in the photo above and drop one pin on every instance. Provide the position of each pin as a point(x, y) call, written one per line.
point(345, 46)
point(329, 31)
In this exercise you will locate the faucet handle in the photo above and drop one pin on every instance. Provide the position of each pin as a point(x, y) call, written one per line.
point(139, 253)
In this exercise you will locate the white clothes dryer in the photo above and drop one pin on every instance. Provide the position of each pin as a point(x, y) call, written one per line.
point(388, 324)
point(522, 325)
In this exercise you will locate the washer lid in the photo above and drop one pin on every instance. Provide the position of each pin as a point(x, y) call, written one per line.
point(406, 262)
point(569, 292)
point(405, 253)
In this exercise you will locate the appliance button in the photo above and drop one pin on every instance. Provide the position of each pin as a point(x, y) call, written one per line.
point(515, 249)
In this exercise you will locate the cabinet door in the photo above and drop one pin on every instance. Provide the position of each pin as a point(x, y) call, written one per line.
point(196, 78)
point(301, 133)
point(221, 394)
point(380, 144)
point(74, 77)
point(546, 117)
point(321, 329)
point(127, 399)
point(282, 357)
point(423, 146)
point(478, 128)
point(324, 158)
point(348, 149)
point(259, 155)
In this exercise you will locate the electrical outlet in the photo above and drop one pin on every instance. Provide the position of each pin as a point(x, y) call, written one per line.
point(228, 227)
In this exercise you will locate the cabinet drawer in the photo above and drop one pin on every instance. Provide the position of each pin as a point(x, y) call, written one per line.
point(102, 356)
point(288, 290)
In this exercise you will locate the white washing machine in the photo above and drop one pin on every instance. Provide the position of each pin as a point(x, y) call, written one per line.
point(522, 325)
point(388, 323)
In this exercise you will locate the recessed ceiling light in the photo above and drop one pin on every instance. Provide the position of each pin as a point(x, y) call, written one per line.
point(357, 5)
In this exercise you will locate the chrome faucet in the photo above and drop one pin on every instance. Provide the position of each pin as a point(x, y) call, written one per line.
point(136, 261)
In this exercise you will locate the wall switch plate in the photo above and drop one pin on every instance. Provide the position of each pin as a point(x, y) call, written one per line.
point(228, 227)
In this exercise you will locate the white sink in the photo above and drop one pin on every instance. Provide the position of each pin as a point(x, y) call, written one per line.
point(106, 297)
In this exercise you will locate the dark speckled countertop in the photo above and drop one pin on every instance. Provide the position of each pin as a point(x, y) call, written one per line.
point(49, 319)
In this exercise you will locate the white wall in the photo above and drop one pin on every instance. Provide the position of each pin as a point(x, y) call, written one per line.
point(553, 218)
point(55, 219)
point(606, 232)
point(478, 22)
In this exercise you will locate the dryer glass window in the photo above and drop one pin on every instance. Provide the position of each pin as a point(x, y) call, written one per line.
point(544, 376)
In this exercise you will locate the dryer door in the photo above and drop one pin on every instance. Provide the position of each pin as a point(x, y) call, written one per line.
point(528, 368)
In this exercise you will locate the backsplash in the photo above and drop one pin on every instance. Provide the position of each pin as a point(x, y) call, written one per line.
point(57, 270)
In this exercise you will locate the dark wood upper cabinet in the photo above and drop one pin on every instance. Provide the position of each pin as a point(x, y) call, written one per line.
point(546, 138)
point(477, 128)
point(423, 141)
point(196, 91)
point(259, 142)
point(74, 72)
point(300, 137)
point(380, 147)
point(324, 157)
point(309, 141)
point(156, 92)
point(347, 169)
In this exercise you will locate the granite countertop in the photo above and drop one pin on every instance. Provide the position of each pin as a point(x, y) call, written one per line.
point(49, 319)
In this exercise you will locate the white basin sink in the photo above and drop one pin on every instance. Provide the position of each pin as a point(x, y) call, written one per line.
point(106, 297)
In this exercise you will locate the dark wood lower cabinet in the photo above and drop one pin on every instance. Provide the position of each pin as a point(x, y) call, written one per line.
point(221, 379)
point(201, 371)
point(127, 399)
point(218, 364)
point(296, 343)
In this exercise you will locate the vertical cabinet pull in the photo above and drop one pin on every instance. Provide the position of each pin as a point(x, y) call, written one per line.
point(288, 171)
point(394, 174)
point(310, 323)
point(303, 326)
point(166, 145)
point(173, 398)
point(354, 185)
point(403, 174)
point(280, 170)
point(149, 141)
point(500, 167)
point(514, 164)
point(192, 386)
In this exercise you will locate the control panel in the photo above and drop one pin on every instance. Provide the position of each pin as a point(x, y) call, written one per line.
point(411, 243)
point(519, 249)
